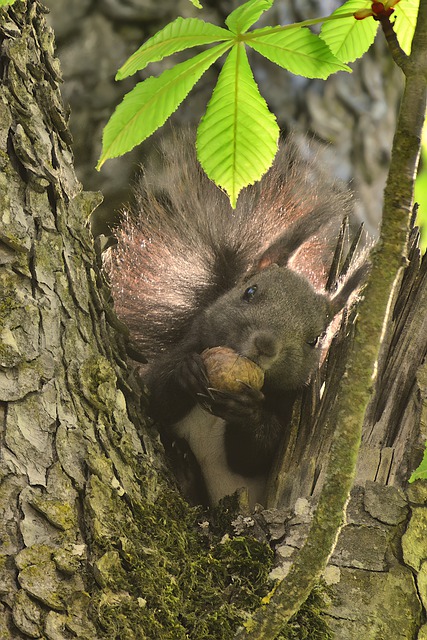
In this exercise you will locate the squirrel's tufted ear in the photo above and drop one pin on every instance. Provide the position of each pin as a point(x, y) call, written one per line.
point(284, 246)
point(353, 284)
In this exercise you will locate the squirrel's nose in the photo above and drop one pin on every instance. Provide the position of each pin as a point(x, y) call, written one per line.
point(265, 346)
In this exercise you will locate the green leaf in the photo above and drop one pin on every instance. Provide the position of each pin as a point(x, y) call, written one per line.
point(421, 472)
point(237, 137)
point(405, 19)
point(349, 38)
point(244, 16)
point(6, 3)
point(196, 4)
point(151, 102)
point(297, 50)
point(178, 35)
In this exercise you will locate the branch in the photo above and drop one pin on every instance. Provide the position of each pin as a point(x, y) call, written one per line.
point(387, 262)
point(397, 53)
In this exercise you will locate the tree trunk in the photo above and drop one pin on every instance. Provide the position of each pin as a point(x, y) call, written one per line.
point(375, 590)
point(76, 457)
point(95, 541)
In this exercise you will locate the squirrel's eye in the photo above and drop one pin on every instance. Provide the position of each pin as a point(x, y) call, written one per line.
point(249, 293)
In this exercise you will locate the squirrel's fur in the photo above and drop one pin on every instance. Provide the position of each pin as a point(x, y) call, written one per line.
point(180, 274)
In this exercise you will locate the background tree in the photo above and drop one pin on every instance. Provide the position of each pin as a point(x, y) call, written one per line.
point(353, 114)
point(94, 539)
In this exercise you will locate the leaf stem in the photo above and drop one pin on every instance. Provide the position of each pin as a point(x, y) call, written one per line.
point(398, 55)
point(249, 35)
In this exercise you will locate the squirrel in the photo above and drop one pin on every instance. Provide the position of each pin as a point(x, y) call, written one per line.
point(189, 273)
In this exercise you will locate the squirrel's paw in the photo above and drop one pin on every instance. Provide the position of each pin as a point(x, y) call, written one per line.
point(192, 375)
point(243, 406)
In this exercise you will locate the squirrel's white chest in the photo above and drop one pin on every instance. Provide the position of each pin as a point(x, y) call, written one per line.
point(205, 436)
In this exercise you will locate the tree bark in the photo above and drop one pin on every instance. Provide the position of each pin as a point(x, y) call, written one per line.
point(72, 461)
point(94, 540)
point(375, 589)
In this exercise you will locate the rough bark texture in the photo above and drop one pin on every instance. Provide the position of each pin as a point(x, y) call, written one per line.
point(92, 542)
point(375, 592)
point(70, 454)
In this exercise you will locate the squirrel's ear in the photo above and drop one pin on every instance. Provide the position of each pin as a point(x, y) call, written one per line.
point(352, 284)
point(277, 253)
point(280, 251)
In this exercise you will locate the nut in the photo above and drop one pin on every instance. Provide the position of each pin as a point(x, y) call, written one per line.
point(228, 371)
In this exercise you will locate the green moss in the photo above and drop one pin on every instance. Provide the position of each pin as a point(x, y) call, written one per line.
point(7, 303)
point(309, 623)
point(98, 382)
point(165, 579)
point(7, 355)
point(59, 513)
point(414, 541)
point(12, 310)
point(177, 582)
